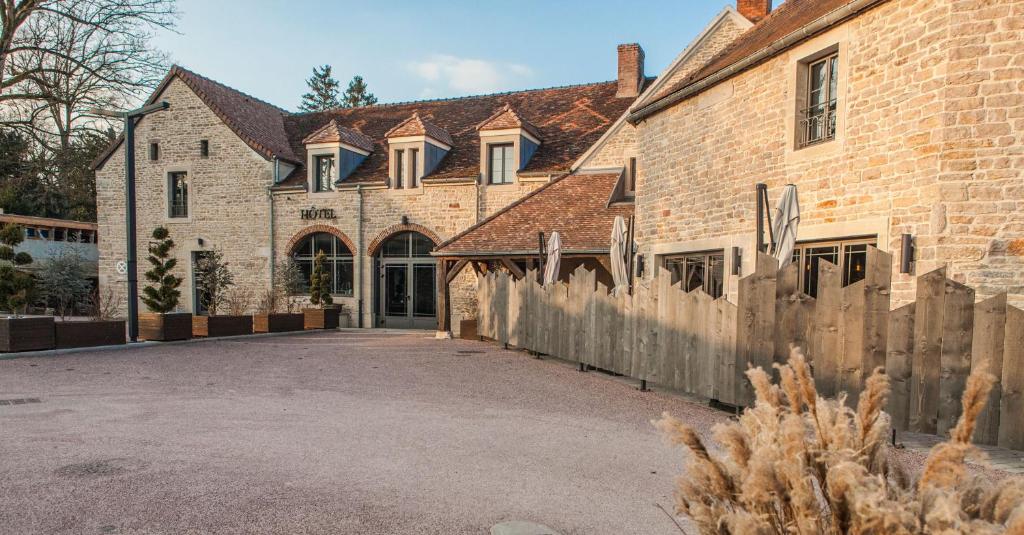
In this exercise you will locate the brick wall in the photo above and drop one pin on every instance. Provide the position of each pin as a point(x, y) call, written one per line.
point(929, 143)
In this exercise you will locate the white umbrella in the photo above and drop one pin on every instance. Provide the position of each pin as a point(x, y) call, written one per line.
point(554, 260)
point(617, 250)
point(787, 218)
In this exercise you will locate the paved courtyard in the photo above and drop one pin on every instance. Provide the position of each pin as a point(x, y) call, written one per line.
point(340, 432)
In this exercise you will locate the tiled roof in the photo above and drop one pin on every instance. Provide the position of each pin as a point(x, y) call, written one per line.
point(332, 133)
point(575, 205)
point(568, 120)
point(259, 124)
point(416, 126)
point(788, 18)
point(507, 118)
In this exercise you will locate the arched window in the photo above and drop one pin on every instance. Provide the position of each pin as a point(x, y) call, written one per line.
point(337, 260)
point(407, 245)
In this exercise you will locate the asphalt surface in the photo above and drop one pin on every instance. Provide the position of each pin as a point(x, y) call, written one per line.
point(332, 432)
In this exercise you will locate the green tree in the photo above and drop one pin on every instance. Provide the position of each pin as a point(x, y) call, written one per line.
point(323, 91)
point(213, 278)
point(163, 297)
point(64, 281)
point(17, 288)
point(357, 95)
point(289, 282)
point(320, 283)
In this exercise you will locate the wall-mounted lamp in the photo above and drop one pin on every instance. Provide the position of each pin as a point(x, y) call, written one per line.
point(737, 260)
point(405, 220)
point(639, 266)
point(200, 242)
point(906, 253)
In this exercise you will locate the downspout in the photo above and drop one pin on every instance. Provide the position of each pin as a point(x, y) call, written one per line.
point(359, 253)
point(812, 28)
point(270, 196)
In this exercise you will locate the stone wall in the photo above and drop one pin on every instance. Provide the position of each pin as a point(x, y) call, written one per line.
point(228, 196)
point(928, 143)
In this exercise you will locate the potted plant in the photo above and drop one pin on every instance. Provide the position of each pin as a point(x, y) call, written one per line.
point(214, 280)
point(269, 318)
point(102, 329)
point(326, 315)
point(63, 280)
point(17, 288)
point(161, 296)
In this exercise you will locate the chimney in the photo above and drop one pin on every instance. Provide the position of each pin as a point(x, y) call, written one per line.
point(754, 10)
point(631, 71)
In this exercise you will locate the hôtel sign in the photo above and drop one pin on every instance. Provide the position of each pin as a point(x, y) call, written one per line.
point(311, 213)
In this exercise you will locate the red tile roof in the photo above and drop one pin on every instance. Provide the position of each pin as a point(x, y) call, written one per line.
point(416, 126)
point(332, 133)
point(574, 205)
point(787, 19)
point(507, 118)
point(259, 124)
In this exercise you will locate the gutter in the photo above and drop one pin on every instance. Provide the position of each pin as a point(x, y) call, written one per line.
point(270, 197)
point(816, 26)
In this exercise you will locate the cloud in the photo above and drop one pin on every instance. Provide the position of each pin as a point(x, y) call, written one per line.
point(468, 75)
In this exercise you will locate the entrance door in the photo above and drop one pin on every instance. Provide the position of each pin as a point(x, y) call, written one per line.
point(407, 291)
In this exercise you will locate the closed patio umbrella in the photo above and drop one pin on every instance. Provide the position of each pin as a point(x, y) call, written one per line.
point(554, 260)
point(617, 250)
point(784, 226)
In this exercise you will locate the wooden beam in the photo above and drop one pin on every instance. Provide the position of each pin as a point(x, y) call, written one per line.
point(512, 267)
point(605, 261)
point(454, 271)
point(477, 268)
point(443, 319)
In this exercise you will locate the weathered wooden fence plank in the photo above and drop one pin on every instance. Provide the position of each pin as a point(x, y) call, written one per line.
point(927, 363)
point(899, 364)
point(794, 315)
point(955, 355)
point(828, 339)
point(1011, 408)
point(987, 357)
point(755, 341)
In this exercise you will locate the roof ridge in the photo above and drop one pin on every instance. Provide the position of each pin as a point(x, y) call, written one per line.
point(465, 97)
point(178, 69)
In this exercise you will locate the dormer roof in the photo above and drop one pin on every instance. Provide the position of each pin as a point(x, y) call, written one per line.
point(417, 126)
point(505, 119)
point(332, 132)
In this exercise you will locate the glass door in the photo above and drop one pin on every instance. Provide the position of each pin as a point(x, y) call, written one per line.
point(424, 296)
point(396, 298)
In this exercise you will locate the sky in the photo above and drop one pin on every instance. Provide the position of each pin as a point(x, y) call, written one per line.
point(424, 50)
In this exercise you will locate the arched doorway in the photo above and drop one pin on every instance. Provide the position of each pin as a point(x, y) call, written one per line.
point(407, 291)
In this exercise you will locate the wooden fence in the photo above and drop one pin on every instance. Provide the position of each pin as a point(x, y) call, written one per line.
point(691, 342)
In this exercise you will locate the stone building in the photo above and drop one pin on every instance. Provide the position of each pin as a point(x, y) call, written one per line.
point(892, 118)
point(374, 188)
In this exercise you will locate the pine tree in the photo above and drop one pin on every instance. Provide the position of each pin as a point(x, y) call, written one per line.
point(164, 297)
point(16, 287)
point(323, 93)
point(320, 283)
point(356, 95)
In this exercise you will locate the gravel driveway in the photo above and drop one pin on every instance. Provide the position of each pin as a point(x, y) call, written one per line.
point(330, 432)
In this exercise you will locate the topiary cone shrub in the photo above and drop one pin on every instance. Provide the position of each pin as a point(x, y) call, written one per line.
point(325, 316)
point(161, 295)
point(17, 287)
point(797, 463)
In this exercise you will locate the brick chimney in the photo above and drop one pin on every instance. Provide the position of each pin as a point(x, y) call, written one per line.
point(631, 70)
point(755, 10)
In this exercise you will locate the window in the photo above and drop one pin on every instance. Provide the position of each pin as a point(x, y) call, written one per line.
point(324, 176)
point(337, 260)
point(399, 168)
point(501, 163)
point(154, 151)
point(30, 233)
point(414, 172)
point(818, 120)
point(406, 245)
point(178, 194)
point(58, 234)
point(703, 271)
point(850, 255)
point(630, 185)
point(44, 233)
point(204, 148)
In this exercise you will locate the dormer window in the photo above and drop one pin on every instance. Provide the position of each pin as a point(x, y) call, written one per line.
point(324, 172)
point(507, 143)
point(417, 148)
point(334, 153)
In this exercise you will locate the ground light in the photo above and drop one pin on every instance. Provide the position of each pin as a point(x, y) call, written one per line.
point(129, 118)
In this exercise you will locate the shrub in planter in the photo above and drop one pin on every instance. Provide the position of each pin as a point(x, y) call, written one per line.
point(268, 320)
point(101, 330)
point(17, 288)
point(326, 316)
point(161, 296)
point(64, 282)
point(214, 280)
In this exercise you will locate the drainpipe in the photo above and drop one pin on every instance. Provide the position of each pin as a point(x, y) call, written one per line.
point(359, 257)
point(270, 197)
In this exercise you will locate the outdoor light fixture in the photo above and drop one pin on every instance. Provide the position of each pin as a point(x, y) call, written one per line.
point(906, 253)
point(737, 260)
point(405, 220)
point(129, 118)
point(199, 241)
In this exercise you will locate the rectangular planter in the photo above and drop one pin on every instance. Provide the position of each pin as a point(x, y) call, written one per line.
point(26, 334)
point(321, 318)
point(277, 323)
point(165, 327)
point(210, 326)
point(467, 330)
point(89, 333)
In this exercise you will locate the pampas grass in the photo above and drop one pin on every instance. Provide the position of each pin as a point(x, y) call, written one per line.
point(796, 463)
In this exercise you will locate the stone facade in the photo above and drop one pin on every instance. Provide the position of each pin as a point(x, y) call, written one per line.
point(929, 142)
point(229, 200)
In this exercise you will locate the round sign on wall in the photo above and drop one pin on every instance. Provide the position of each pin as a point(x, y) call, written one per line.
point(122, 267)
